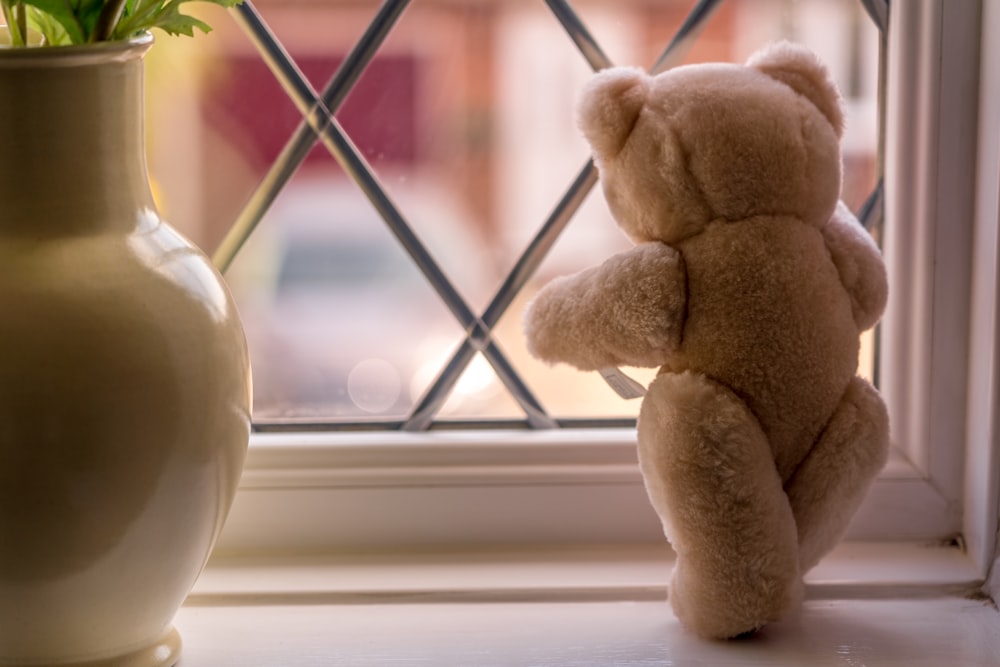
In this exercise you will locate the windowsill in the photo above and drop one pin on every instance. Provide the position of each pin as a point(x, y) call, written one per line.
point(880, 603)
point(635, 572)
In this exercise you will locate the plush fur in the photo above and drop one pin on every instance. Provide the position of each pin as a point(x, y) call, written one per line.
point(748, 286)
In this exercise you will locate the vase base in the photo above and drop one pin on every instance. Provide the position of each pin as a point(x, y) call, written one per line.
point(165, 651)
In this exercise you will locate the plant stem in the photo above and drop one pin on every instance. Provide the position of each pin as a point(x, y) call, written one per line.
point(22, 21)
point(11, 16)
point(107, 20)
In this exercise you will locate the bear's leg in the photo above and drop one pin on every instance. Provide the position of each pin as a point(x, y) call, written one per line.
point(710, 476)
point(830, 483)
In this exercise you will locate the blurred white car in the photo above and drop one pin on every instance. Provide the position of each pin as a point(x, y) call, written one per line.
point(341, 323)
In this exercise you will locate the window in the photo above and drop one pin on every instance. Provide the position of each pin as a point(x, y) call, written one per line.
point(469, 141)
point(429, 142)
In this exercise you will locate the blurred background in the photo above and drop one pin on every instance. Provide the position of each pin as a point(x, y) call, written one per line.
point(466, 115)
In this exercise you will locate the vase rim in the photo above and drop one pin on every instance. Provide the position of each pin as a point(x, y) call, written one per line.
point(77, 54)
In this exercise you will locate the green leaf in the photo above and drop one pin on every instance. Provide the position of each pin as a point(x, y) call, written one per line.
point(88, 11)
point(54, 32)
point(149, 14)
point(80, 21)
point(62, 12)
point(137, 13)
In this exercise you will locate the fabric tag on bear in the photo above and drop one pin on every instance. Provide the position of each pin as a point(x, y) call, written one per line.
point(623, 385)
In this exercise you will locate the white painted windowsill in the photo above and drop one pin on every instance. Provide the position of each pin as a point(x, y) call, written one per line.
point(868, 603)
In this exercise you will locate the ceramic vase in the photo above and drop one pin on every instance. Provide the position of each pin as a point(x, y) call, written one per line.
point(124, 374)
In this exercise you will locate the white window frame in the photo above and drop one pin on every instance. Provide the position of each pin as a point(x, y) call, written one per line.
point(981, 525)
point(309, 492)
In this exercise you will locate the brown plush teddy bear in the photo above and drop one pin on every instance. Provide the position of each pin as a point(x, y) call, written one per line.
point(748, 287)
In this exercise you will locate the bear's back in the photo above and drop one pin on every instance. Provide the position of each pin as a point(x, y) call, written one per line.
point(768, 317)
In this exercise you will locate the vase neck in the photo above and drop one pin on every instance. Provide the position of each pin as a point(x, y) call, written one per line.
point(72, 151)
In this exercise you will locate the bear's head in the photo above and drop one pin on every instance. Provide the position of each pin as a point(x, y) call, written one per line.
point(711, 142)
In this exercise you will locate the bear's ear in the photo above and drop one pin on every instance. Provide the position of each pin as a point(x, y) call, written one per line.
point(609, 107)
point(803, 71)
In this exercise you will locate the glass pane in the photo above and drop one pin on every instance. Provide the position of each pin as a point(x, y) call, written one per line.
point(340, 322)
point(203, 167)
point(439, 114)
point(466, 117)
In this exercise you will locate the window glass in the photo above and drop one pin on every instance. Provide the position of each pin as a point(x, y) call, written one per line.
point(465, 116)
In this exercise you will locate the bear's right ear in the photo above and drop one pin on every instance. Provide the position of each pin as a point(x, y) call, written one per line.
point(802, 71)
point(609, 107)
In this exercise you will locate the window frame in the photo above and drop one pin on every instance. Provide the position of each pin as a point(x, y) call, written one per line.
point(440, 489)
point(981, 525)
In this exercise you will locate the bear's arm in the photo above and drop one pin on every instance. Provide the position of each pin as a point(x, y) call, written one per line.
point(629, 311)
point(859, 264)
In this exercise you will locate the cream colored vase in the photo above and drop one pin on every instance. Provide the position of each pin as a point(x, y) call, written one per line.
point(124, 375)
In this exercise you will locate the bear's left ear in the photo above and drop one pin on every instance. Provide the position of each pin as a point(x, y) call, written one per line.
point(803, 71)
point(609, 106)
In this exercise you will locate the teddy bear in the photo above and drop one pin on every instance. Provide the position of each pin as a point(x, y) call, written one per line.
point(748, 286)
